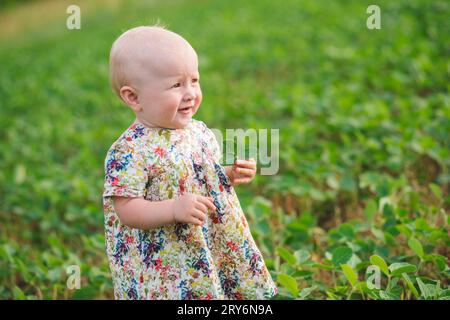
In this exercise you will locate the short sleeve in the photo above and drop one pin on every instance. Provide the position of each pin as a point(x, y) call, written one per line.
point(125, 172)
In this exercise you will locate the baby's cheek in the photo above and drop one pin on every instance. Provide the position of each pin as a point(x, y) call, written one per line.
point(199, 98)
point(172, 105)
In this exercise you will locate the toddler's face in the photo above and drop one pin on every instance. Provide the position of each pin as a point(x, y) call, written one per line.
point(169, 90)
point(155, 72)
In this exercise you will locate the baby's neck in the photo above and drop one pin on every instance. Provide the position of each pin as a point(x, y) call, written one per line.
point(145, 123)
point(152, 126)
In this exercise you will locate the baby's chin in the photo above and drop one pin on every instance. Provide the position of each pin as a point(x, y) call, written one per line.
point(176, 126)
point(182, 124)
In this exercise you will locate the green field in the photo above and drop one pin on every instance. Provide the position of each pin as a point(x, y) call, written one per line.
point(364, 120)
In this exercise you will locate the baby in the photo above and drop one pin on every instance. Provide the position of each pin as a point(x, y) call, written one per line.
point(174, 226)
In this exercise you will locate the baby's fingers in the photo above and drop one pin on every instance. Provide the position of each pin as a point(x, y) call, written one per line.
point(199, 215)
point(200, 206)
point(250, 164)
point(245, 172)
point(207, 201)
point(242, 180)
point(196, 221)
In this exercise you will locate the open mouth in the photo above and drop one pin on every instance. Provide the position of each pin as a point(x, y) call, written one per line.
point(185, 109)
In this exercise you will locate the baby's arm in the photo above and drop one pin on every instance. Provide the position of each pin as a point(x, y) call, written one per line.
point(144, 214)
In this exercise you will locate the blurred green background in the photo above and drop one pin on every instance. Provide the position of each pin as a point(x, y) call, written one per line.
point(364, 119)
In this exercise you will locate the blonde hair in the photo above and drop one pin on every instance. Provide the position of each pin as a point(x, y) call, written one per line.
point(119, 57)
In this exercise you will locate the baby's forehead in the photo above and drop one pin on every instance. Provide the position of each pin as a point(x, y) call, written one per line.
point(172, 64)
point(165, 51)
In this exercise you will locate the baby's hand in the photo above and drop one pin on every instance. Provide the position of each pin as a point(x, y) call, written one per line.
point(191, 208)
point(242, 171)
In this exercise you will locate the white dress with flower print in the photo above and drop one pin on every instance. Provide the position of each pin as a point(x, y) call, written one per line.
point(218, 260)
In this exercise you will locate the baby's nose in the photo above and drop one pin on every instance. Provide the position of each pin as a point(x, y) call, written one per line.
point(189, 96)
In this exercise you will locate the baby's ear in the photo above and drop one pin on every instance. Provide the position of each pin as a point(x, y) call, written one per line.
point(130, 97)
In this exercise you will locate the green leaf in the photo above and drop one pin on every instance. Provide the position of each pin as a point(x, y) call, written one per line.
point(301, 256)
point(323, 266)
point(341, 255)
point(425, 289)
point(307, 274)
point(24, 269)
point(86, 293)
point(379, 234)
point(416, 246)
point(286, 255)
point(262, 227)
point(350, 274)
point(289, 283)
point(347, 231)
point(410, 285)
point(421, 224)
point(379, 262)
point(445, 295)
point(18, 293)
point(362, 287)
point(307, 291)
point(347, 182)
point(440, 260)
point(403, 228)
point(370, 210)
point(389, 295)
point(333, 182)
point(20, 174)
point(402, 267)
point(436, 190)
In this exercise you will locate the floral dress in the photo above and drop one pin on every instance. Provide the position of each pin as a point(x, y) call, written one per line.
point(218, 260)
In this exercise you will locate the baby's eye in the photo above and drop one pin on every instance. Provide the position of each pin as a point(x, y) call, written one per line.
point(176, 85)
point(195, 80)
